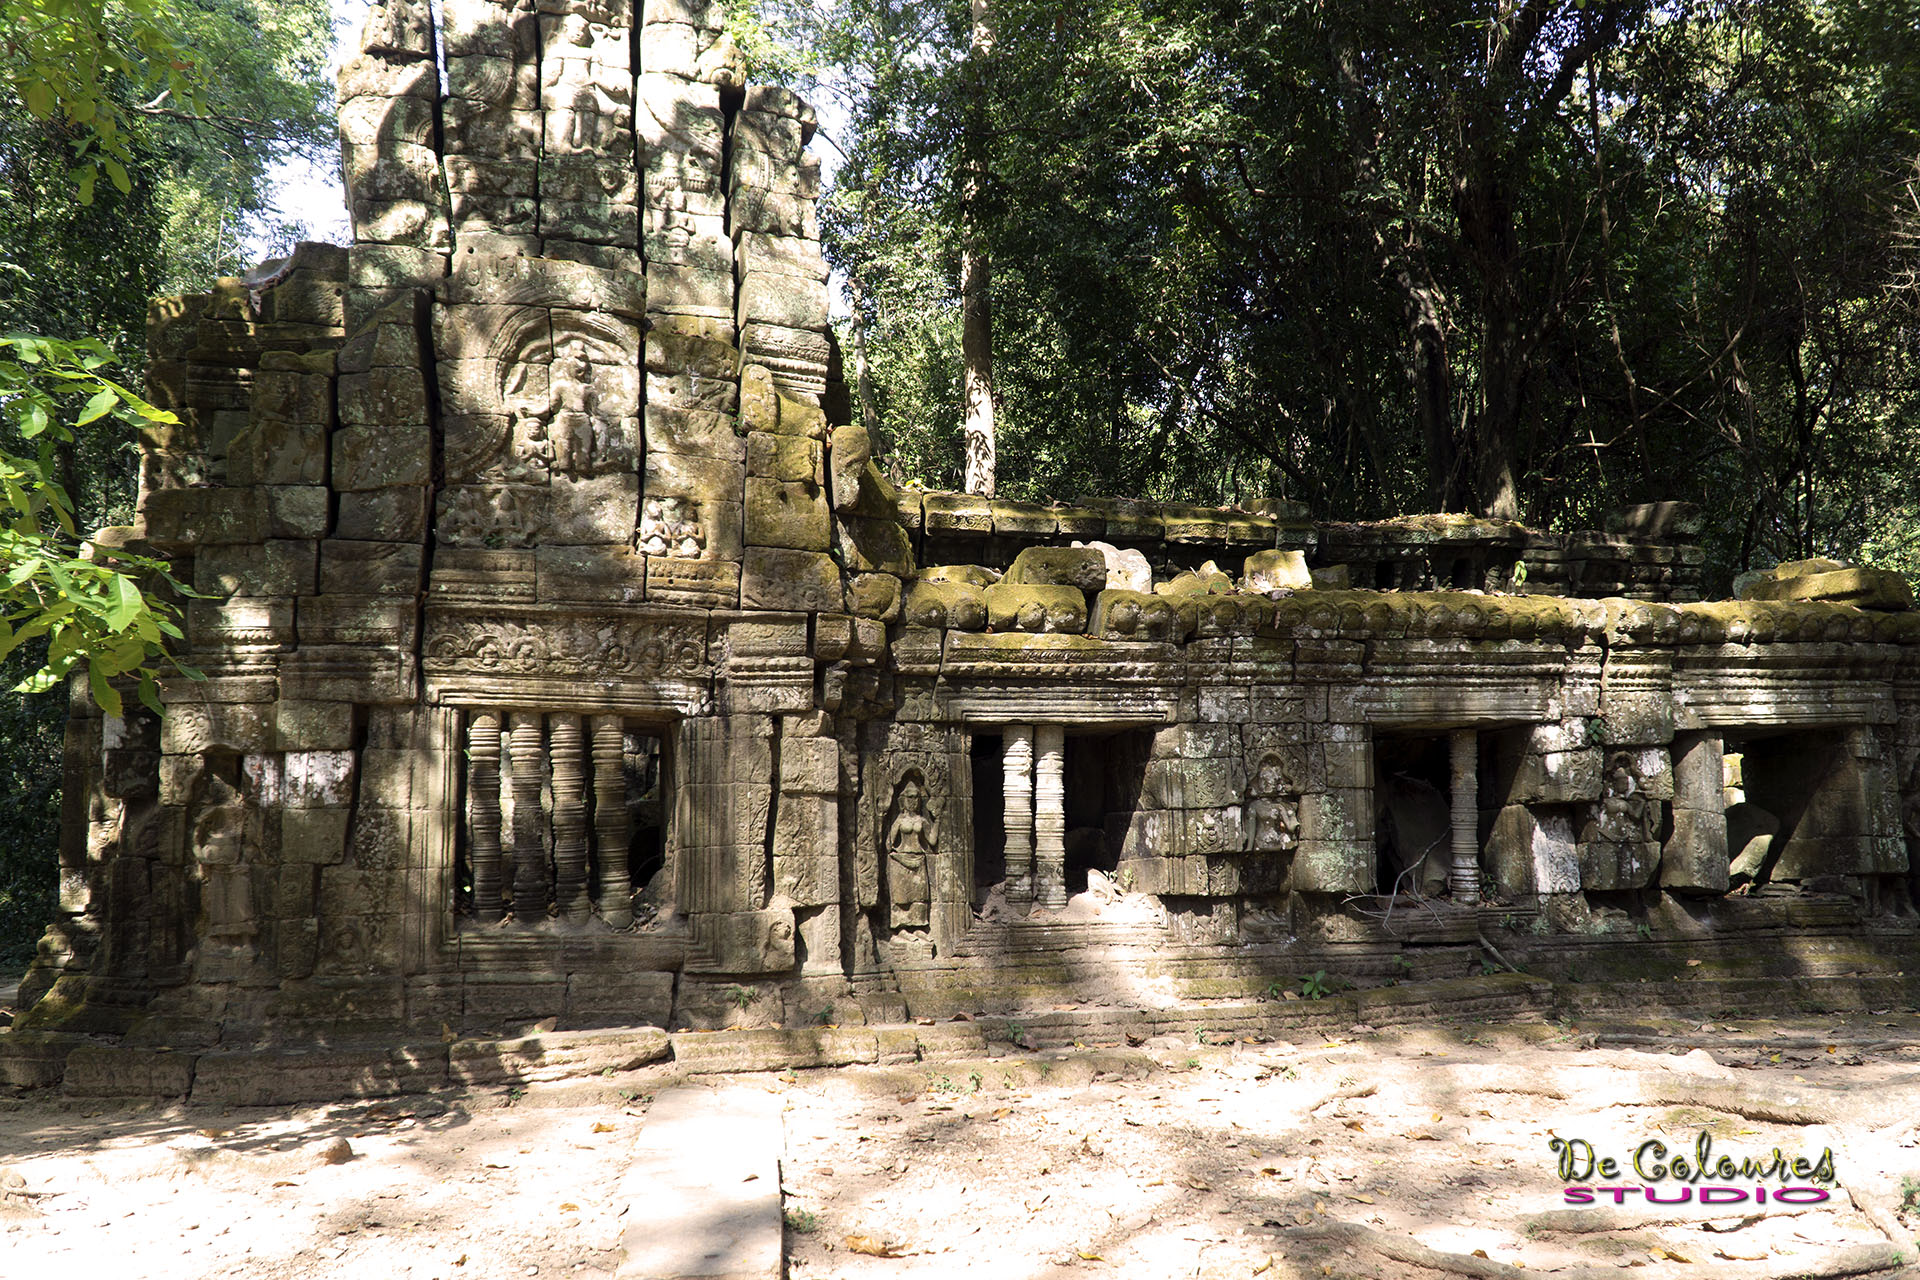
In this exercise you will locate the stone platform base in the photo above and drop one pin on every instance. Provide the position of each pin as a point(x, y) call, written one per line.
point(96, 1067)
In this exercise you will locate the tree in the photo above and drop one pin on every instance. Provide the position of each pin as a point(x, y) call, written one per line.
point(1529, 258)
point(976, 302)
point(186, 141)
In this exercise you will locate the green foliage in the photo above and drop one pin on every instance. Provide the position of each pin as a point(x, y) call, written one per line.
point(196, 136)
point(74, 63)
point(1314, 985)
point(82, 599)
point(1385, 260)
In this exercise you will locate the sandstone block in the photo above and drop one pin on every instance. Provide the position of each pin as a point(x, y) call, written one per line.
point(961, 606)
point(313, 726)
point(677, 353)
point(792, 515)
point(1054, 610)
point(377, 457)
point(868, 545)
point(692, 432)
point(798, 581)
point(384, 515)
point(1863, 588)
point(851, 450)
point(875, 595)
point(1133, 615)
point(298, 511)
point(792, 459)
point(1082, 568)
point(1278, 570)
point(370, 568)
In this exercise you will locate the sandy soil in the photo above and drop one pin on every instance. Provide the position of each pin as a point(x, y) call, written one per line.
point(1391, 1154)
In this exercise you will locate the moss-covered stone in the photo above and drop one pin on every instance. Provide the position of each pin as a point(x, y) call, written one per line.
point(947, 603)
point(1134, 615)
point(963, 513)
point(1042, 609)
point(875, 595)
point(971, 574)
point(1862, 588)
point(790, 581)
point(1277, 570)
point(848, 452)
point(786, 458)
point(1206, 580)
point(1023, 519)
point(867, 545)
point(1082, 568)
point(780, 514)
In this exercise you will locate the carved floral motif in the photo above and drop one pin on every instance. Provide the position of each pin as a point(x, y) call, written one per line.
point(574, 647)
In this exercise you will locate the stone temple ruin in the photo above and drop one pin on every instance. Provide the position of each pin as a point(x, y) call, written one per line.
point(571, 664)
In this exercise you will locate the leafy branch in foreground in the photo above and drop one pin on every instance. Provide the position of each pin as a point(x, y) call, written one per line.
point(71, 60)
point(83, 599)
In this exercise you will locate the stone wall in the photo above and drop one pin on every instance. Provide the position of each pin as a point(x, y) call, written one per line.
point(569, 657)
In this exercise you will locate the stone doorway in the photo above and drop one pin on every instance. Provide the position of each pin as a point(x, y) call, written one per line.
point(1413, 811)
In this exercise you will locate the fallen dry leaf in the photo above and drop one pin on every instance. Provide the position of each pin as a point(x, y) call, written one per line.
point(1084, 1256)
point(1363, 1199)
point(1667, 1255)
point(1740, 1257)
point(1421, 1137)
point(567, 1206)
point(873, 1246)
point(1196, 1184)
point(1481, 1253)
point(284, 1183)
point(599, 1127)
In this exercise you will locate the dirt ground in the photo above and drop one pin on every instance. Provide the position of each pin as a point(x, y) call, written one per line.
point(1389, 1153)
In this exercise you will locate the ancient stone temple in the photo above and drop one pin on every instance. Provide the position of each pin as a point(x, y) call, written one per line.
point(570, 662)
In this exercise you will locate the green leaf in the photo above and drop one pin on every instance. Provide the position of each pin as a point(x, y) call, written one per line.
point(98, 406)
point(39, 99)
point(104, 694)
point(127, 604)
point(150, 694)
point(117, 172)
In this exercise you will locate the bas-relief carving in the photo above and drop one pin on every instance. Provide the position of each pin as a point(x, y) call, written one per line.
point(913, 837)
point(671, 527)
point(221, 823)
point(1624, 814)
point(1272, 815)
point(579, 647)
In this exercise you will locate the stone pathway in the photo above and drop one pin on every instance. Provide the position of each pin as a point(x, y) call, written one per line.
point(703, 1188)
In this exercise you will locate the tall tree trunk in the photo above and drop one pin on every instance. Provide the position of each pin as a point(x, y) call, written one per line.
point(976, 316)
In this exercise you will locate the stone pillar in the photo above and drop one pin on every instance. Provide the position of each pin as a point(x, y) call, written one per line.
point(483, 815)
point(1464, 747)
point(1050, 816)
point(1017, 810)
point(1696, 856)
point(569, 818)
point(527, 755)
point(611, 838)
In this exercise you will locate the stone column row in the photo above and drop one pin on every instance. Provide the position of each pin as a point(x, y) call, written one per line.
point(1033, 760)
point(535, 744)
